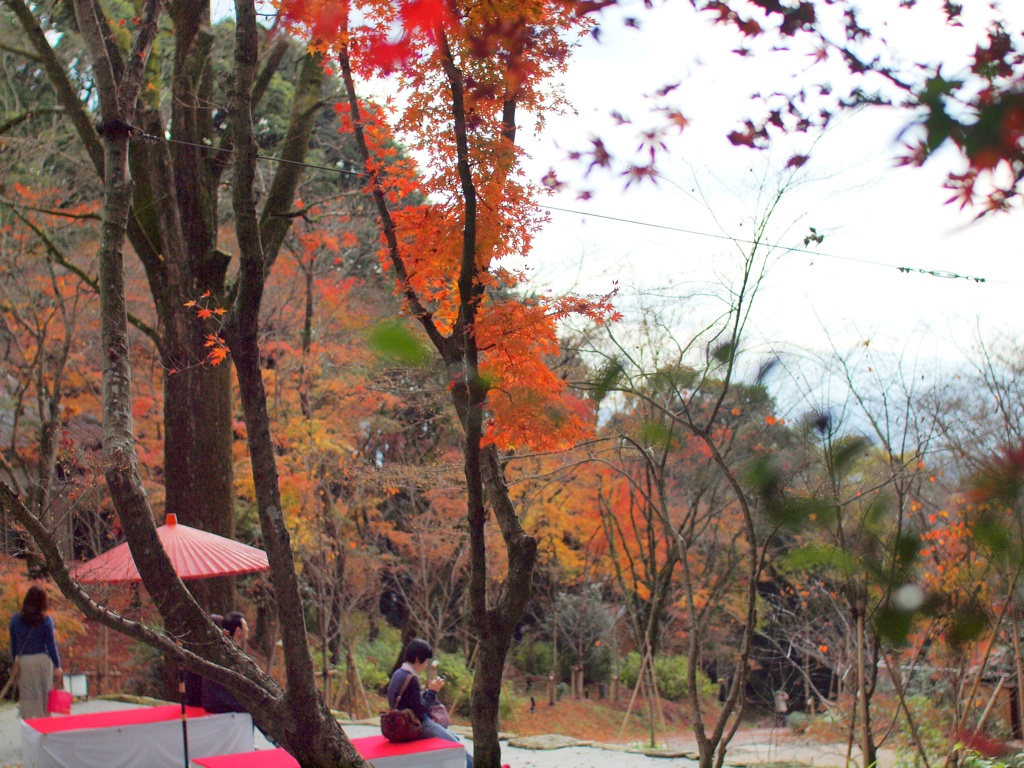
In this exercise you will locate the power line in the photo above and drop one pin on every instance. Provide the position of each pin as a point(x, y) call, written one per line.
point(268, 158)
point(941, 273)
point(945, 274)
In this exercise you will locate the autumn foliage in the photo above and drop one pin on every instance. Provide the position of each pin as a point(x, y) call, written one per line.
point(506, 54)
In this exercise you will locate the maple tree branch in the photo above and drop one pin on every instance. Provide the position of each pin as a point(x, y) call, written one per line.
point(57, 74)
point(88, 17)
point(470, 288)
point(469, 387)
point(306, 708)
point(61, 258)
point(138, 55)
point(110, 42)
point(67, 95)
point(20, 52)
point(305, 107)
point(521, 546)
point(275, 56)
point(441, 342)
point(28, 114)
point(121, 470)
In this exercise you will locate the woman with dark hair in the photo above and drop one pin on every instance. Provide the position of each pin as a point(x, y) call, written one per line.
point(34, 650)
point(405, 692)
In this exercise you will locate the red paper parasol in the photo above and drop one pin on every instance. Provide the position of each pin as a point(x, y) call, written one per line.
point(195, 554)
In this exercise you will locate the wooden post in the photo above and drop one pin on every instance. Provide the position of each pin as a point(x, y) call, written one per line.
point(988, 707)
point(636, 688)
point(1018, 730)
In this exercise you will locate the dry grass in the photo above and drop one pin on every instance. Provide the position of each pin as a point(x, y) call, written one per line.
point(594, 720)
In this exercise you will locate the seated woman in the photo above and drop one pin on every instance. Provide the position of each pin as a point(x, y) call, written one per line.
point(404, 692)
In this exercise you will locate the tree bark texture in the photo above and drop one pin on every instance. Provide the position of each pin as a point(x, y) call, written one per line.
point(172, 225)
point(311, 733)
point(297, 718)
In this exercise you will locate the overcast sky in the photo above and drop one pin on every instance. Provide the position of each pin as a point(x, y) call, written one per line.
point(874, 217)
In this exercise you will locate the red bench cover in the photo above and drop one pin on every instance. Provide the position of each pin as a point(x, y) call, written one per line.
point(113, 719)
point(377, 746)
point(264, 758)
point(370, 747)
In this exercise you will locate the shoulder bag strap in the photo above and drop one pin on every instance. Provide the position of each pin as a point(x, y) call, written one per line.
point(405, 685)
point(29, 637)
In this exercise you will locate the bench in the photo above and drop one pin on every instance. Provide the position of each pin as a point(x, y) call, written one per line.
point(378, 751)
point(143, 737)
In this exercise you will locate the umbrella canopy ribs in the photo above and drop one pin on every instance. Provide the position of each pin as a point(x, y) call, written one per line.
point(195, 554)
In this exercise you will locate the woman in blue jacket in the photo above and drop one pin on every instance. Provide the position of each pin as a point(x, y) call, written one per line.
point(34, 650)
point(404, 692)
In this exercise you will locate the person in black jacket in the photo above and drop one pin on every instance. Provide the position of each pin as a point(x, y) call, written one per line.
point(405, 692)
point(194, 681)
point(215, 697)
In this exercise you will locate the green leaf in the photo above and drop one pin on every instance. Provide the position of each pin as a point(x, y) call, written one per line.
point(655, 432)
point(671, 379)
point(845, 453)
point(607, 379)
point(875, 517)
point(908, 548)
point(816, 556)
point(967, 624)
point(991, 532)
point(724, 353)
point(894, 623)
point(763, 476)
point(794, 511)
point(394, 342)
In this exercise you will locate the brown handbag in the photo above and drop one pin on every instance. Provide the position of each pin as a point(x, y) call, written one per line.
point(400, 725)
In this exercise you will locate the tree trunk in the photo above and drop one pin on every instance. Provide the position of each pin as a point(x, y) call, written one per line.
point(869, 757)
point(311, 733)
point(298, 719)
point(172, 225)
point(486, 696)
point(199, 463)
point(458, 349)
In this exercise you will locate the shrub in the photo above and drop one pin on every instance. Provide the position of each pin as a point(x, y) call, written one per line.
point(373, 676)
point(458, 680)
point(375, 659)
point(670, 672)
point(583, 626)
point(533, 657)
point(798, 721)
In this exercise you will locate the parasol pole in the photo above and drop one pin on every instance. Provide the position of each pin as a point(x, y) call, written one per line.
point(184, 714)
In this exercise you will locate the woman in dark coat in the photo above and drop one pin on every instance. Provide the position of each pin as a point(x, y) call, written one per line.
point(405, 692)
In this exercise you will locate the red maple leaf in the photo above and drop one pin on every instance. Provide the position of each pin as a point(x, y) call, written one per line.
point(424, 15)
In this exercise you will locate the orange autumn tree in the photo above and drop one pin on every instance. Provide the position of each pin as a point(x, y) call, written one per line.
point(464, 71)
point(46, 312)
point(363, 442)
